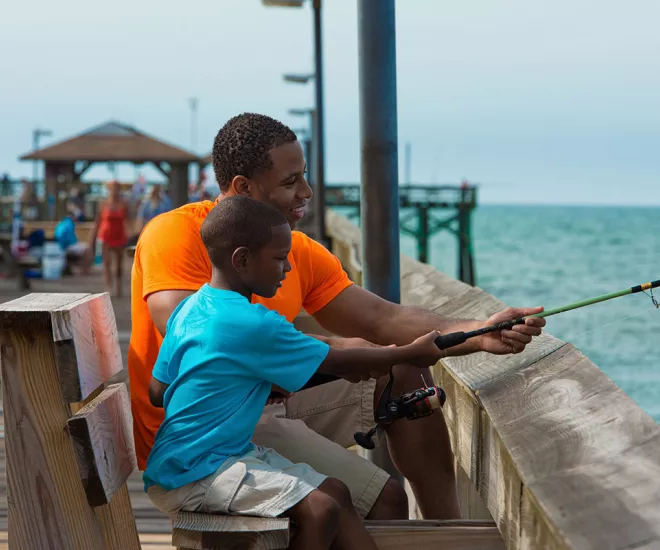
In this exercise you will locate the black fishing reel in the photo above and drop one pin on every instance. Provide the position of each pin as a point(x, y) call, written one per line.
point(416, 404)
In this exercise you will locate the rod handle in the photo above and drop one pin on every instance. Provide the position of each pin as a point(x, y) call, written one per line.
point(452, 339)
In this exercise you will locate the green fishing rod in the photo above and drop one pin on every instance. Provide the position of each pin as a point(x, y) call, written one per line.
point(455, 338)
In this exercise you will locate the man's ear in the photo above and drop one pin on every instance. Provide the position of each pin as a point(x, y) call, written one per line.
point(240, 185)
point(239, 259)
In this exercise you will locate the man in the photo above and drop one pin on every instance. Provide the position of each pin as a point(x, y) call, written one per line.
point(257, 156)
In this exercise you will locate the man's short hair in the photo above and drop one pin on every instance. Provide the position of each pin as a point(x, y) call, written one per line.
point(235, 222)
point(242, 146)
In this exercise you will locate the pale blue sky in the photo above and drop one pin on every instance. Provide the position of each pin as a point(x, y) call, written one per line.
point(539, 101)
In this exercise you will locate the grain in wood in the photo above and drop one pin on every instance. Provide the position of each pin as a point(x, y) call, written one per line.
point(223, 532)
point(101, 433)
point(87, 345)
point(47, 505)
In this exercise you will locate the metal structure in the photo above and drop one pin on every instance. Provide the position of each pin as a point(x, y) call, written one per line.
point(318, 141)
point(379, 204)
point(425, 211)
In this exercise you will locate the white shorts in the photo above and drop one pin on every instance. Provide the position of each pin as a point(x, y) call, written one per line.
point(259, 483)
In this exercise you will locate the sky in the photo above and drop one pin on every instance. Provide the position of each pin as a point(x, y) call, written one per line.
point(537, 102)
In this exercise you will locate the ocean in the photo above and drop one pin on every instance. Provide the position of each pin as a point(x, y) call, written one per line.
point(555, 255)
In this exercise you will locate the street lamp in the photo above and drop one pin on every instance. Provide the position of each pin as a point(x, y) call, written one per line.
point(319, 145)
point(298, 78)
point(37, 134)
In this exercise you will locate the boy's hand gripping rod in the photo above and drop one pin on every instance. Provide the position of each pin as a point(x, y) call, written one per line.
point(423, 401)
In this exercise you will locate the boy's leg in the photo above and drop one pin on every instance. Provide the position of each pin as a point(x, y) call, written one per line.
point(371, 488)
point(317, 520)
point(352, 534)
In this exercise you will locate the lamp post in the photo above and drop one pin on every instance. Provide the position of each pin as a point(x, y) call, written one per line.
point(37, 134)
point(379, 204)
point(318, 141)
point(312, 156)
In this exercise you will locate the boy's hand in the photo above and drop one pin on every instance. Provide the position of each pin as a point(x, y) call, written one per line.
point(277, 395)
point(426, 353)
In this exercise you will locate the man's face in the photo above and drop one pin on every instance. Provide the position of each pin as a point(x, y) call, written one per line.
point(284, 186)
point(267, 268)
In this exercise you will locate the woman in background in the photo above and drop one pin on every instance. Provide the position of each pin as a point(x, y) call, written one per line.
point(155, 204)
point(111, 229)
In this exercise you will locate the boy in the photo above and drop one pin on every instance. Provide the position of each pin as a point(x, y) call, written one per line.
point(220, 359)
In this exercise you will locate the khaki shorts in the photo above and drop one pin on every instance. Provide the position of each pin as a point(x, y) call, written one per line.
point(316, 427)
point(258, 483)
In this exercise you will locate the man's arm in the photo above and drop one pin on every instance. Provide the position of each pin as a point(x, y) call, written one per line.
point(162, 304)
point(356, 312)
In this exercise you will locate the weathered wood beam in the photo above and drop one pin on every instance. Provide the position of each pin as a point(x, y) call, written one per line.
point(47, 505)
point(102, 437)
point(160, 166)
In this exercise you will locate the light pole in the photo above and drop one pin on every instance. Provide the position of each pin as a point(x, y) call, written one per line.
point(379, 204)
point(37, 134)
point(312, 155)
point(319, 142)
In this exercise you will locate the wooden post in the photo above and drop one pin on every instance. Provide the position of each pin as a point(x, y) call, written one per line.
point(54, 348)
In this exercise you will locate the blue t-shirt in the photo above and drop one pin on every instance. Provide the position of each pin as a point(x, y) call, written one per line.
point(220, 356)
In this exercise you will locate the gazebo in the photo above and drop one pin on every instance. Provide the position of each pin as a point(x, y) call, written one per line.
point(66, 161)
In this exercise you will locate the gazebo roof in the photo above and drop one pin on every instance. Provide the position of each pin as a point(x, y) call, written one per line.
point(112, 142)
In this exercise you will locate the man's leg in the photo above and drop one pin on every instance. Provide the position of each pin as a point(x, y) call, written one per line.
point(421, 451)
point(375, 494)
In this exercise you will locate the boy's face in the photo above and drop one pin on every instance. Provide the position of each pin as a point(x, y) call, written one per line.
point(267, 268)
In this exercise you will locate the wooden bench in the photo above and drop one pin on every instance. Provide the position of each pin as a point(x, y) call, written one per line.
point(70, 450)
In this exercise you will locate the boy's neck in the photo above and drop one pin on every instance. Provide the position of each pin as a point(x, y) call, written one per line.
point(222, 282)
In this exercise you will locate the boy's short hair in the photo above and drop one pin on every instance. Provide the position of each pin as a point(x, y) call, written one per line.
point(238, 221)
point(242, 146)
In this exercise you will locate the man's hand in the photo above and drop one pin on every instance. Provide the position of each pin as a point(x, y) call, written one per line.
point(515, 339)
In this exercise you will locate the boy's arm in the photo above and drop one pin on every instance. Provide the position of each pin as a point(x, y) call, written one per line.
point(290, 358)
point(161, 377)
point(373, 362)
point(156, 392)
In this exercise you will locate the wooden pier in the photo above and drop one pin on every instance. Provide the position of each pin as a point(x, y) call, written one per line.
point(549, 453)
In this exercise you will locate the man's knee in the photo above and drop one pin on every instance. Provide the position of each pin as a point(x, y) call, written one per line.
point(392, 503)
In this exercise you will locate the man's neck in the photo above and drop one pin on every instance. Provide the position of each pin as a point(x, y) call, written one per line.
point(222, 282)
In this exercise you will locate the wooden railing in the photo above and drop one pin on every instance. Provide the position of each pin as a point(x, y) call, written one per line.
point(560, 456)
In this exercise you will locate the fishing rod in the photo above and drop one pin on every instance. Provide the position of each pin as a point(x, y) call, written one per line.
point(446, 341)
point(423, 401)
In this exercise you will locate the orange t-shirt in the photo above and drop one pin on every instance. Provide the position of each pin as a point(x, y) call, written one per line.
point(170, 255)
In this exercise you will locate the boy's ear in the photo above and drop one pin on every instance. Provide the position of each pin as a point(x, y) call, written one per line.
point(239, 259)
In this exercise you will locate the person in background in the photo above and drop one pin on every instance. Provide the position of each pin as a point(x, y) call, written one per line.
point(111, 229)
point(155, 204)
point(65, 234)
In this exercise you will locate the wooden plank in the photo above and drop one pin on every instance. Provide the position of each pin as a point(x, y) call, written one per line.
point(118, 524)
point(219, 532)
point(588, 457)
point(87, 348)
point(430, 289)
point(436, 538)
point(102, 437)
point(32, 311)
point(47, 505)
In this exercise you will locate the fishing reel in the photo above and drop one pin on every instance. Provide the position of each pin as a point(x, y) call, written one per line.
point(416, 404)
